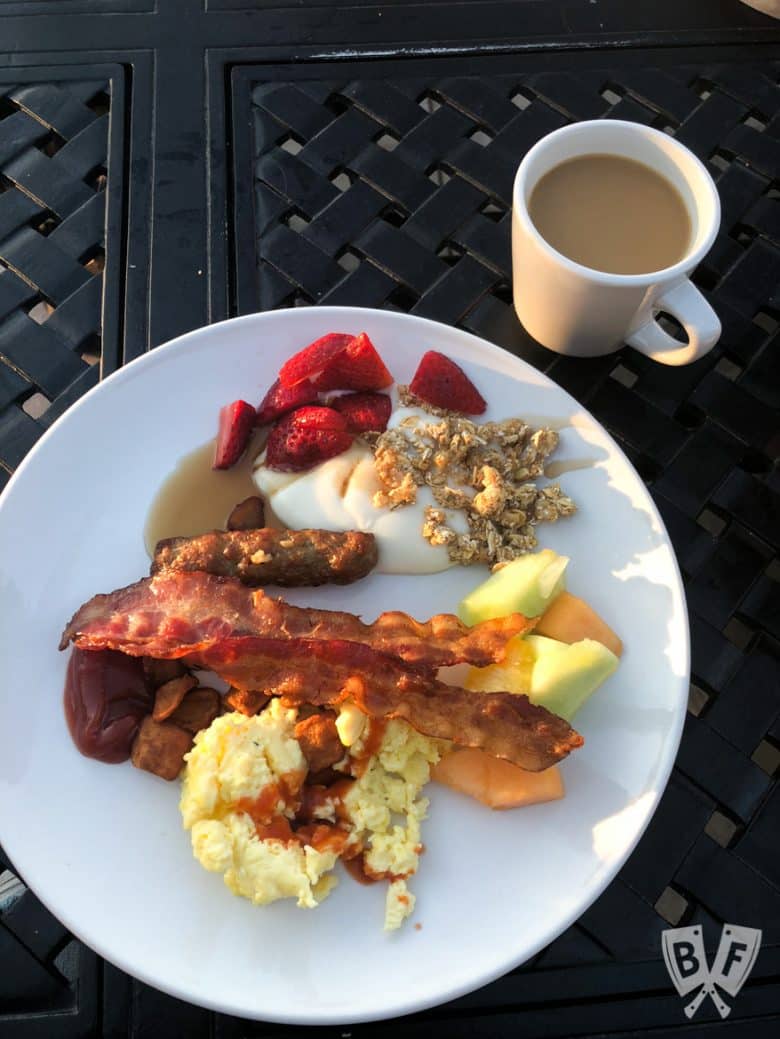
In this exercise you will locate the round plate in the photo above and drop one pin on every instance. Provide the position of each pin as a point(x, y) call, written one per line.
point(103, 846)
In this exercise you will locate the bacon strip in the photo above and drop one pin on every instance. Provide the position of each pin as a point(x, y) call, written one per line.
point(173, 615)
point(326, 673)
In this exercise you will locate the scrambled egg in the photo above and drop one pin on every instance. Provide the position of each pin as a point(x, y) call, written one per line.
point(239, 758)
point(241, 762)
point(386, 809)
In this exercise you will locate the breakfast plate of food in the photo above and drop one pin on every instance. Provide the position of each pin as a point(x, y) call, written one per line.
point(346, 662)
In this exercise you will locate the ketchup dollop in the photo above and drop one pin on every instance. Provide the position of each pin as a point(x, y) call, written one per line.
point(106, 696)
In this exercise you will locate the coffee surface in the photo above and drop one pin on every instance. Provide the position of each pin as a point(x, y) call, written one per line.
point(612, 214)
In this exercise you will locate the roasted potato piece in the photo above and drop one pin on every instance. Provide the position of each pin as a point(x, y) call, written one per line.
point(305, 710)
point(247, 701)
point(249, 514)
point(169, 696)
point(197, 710)
point(160, 747)
point(158, 672)
point(327, 777)
point(319, 740)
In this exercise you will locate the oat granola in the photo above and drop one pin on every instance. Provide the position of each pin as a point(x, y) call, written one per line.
point(486, 471)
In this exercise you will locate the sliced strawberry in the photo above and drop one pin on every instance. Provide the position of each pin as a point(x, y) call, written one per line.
point(305, 438)
point(309, 362)
point(364, 412)
point(440, 382)
point(236, 422)
point(337, 362)
point(318, 417)
point(357, 367)
point(281, 399)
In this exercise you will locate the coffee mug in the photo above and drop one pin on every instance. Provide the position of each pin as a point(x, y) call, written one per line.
point(582, 312)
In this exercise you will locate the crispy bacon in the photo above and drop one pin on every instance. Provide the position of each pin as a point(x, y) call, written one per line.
point(173, 615)
point(329, 672)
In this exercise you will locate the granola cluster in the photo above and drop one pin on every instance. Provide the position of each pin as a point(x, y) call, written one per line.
point(486, 471)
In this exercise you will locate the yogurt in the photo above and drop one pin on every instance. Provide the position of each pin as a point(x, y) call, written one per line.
point(338, 495)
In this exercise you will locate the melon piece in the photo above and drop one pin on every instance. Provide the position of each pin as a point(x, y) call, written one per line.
point(570, 619)
point(564, 676)
point(527, 585)
point(554, 674)
point(495, 782)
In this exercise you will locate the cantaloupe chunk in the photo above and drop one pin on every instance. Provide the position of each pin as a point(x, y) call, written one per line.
point(570, 619)
point(495, 782)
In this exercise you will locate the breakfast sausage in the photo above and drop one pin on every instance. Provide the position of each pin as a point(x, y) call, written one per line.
point(106, 697)
point(289, 558)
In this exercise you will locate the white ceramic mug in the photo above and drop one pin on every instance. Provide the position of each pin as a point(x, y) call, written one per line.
point(575, 310)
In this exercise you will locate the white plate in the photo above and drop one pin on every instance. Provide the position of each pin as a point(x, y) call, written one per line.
point(103, 847)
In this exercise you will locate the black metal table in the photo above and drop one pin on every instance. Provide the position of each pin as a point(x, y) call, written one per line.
point(167, 163)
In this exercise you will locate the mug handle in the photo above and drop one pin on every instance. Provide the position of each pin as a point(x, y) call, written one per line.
point(694, 313)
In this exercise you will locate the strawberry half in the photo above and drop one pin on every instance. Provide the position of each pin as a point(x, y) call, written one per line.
point(364, 412)
point(439, 381)
point(357, 367)
point(306, 437)
point(310, 362)
point(236, 422)
point(337, 362)
point(281, 399)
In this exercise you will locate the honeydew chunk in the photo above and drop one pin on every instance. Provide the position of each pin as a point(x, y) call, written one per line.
point(554, 674)
point(527, 585)
point(564, 676)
